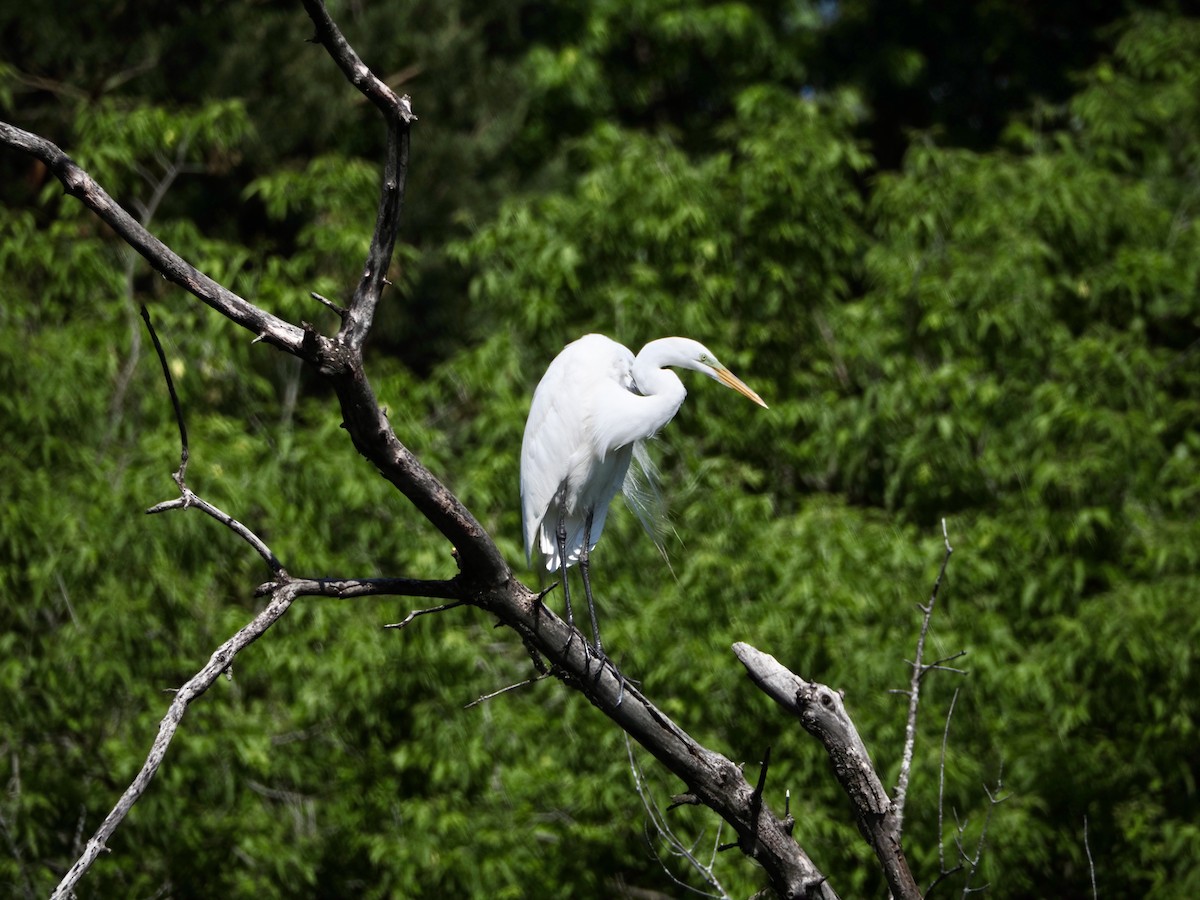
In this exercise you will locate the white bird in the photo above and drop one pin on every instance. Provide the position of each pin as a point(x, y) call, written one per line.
point(594, 406)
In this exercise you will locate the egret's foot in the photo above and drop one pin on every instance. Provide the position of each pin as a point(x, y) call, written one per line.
point(590, 652)
point(603, 658)
point(571, 637)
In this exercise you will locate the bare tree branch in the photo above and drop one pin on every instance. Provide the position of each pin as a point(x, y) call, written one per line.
point(191, 500)
point(282, 597)
point(366, 423)
point(942, 783)
point(504, 690)
point(165, 261)
point(188, 499)
point(972, 863)
point(325, 301)
point(347, 588)
point(823, 715)
point(416, 613)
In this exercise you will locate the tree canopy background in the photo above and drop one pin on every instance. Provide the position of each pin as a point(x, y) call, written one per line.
point(956, 251)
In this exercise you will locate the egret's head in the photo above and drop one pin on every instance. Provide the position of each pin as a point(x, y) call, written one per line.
point(689, 354)
point(713, 368)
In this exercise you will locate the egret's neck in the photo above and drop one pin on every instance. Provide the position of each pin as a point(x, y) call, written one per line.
point(655, 382)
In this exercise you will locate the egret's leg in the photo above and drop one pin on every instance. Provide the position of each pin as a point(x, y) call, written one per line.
point(560, 534)
point(585, 570)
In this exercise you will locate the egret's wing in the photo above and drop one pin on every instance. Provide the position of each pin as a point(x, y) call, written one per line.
point(646, 500)
point(551, 433)
point(562, 466)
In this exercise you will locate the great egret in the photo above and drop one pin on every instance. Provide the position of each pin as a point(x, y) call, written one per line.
point(594, 405)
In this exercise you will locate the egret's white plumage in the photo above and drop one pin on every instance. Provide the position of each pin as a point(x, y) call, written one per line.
point(593, 405)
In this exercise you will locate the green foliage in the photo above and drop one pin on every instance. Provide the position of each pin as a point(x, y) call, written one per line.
point(1004, 336)
point(673, 65)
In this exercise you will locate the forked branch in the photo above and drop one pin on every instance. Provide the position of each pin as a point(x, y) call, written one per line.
point(282, 593)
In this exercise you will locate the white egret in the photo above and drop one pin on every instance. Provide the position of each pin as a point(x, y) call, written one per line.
point(594, 405)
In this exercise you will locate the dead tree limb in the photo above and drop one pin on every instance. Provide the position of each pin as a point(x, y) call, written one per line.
point(823, 714)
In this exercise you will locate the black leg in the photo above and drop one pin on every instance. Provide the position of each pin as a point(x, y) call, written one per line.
point(561, 534)
point(585, 570)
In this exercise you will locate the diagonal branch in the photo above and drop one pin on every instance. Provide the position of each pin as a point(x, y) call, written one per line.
point(189, 499)
point(366, 423)
point(372, 434)
point(165, 261)
point(823, 715)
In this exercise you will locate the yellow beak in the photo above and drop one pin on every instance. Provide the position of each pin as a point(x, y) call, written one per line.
point(730, 380)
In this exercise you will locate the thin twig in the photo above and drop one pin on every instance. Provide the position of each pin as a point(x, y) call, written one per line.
point(914, 689)
point(940, 664)
point(675, 846)
point(424, 612)
point(973, 862)
point(504, 690)
point(340, 310)
point(1091, 865)
point(191, 500)
point(166, 369)
point(942, 785)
